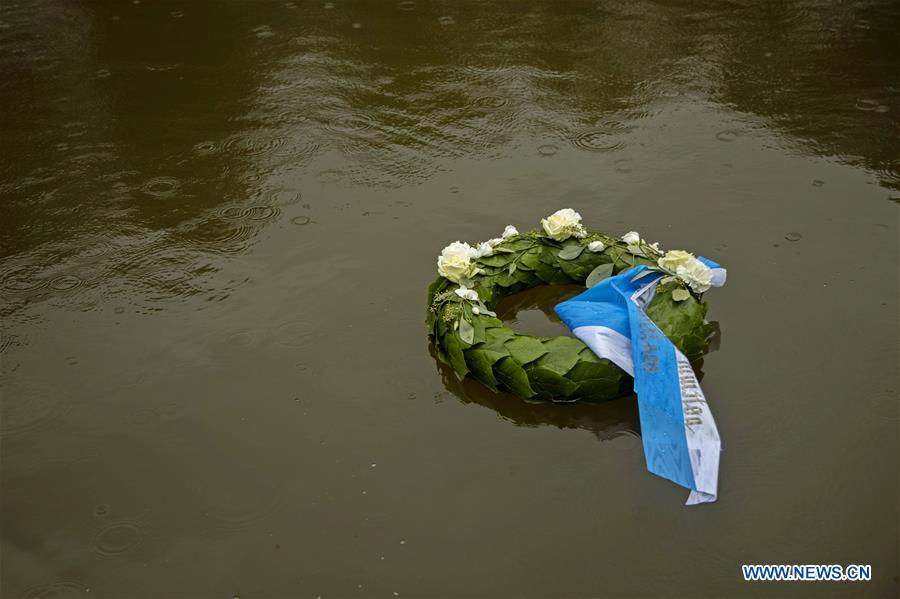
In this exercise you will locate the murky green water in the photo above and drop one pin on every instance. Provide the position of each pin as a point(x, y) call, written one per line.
point(218, 223)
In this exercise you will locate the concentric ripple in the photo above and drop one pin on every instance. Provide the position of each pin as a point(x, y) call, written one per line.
point(547, 150)
point(259, 213)
point(250, 145)
point(241, 504)
point(206, 147)
point(23, 279)
point(351, 123)
point(728, 135)
point(597, 141)
point(161, 187)
point(221, 235)
point(294, 334)
point(30, 406)
point(117, 538)
point(282, 198)
point(65, 283)
point(160, 273)
point(870, 106)
point(233, 212)
point(256, 213)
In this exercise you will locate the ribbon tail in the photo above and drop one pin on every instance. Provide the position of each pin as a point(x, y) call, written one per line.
point(697, 497)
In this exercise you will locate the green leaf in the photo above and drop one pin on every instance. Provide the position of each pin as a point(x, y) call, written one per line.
point(588, 371)
point(562, 354)
point(481, 361)
point(494, 260)
point(455, 354)
point(525, 349)
point(546, 380)
point(525, 276)
point(575, 269)
point(545, 272)
point(505, 279)
point(485, 311)
point(602, 389)
point(499, 335)
point(519, 243)
point(570, 252)
point(598, 274)
point(466, 331)
point(531, 259)
point(512, 268)
point(679, 294)
point(513, 377)
point(643, 274)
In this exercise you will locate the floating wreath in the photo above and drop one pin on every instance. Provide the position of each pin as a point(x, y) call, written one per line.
point(469, 337)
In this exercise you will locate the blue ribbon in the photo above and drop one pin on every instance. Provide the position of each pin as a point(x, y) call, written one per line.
point(679, 435)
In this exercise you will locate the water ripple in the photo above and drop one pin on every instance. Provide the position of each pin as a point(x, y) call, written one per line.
point(161, 187)
point(30, 406)
point(117, 538)
point(597, 141)
point(252, 145)
point(351, 123)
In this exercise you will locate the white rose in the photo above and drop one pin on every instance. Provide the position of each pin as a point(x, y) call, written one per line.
point(455, 261)
point(673, 259)
point(563, 224)
point(596, 246)
point(509, 231)
point(484, 249)
point(696, 274)
point(466, 293)
point(632, 238)
point(687, 268)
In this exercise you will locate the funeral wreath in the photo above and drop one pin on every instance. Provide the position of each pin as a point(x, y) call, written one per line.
point(472, 279)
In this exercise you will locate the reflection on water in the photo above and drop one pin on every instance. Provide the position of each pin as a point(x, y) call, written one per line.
point(607, 420)
point(218, 220)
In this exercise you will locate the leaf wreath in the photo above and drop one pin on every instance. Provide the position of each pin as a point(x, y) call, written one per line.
point(469, 337)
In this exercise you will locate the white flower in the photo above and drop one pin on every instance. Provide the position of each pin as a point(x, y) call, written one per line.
point(508, 232)
point(455, 262)
point(655, 247)
point(466, 293)
point(687, 268)
point(485, 248)
point(697, 275)
point(673, 259)
point(475, 310)
point(563, 224)
point(596, 246)
point(632, 238)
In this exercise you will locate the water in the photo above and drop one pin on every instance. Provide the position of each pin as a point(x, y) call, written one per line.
point(219, 221)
